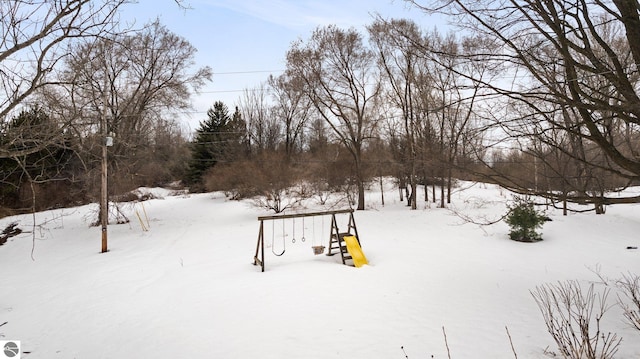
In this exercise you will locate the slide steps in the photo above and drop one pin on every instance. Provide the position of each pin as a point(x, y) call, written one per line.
point(337, 244)
point(349, 248)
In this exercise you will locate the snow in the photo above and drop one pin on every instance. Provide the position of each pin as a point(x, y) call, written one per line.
point(186, 288)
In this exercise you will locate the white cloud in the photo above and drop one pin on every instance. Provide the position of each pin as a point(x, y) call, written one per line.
point(305, 14)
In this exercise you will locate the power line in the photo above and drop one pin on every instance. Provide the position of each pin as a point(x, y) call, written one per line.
point(246, 72)
point(229, 91)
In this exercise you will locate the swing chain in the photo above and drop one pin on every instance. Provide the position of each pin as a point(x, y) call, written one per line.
point(273, 230)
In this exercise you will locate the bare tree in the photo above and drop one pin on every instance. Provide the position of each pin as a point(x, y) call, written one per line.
point(134, 80)
point(400, 61)
point(264, 129)
point(574, 319)
point(454, 99)
point(342, 83)
point(577, 56)
point(291, 107)
point(629, 285)
point(34, 41)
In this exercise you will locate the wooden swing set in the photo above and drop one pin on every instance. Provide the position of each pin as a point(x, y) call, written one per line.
point(336, 238)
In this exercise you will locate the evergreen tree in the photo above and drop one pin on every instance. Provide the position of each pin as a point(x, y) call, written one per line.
point(524, 220)
point(219, 139)
point(41, 153)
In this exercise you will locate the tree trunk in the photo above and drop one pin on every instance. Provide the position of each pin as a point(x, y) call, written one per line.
point(414, 186)
point(449, 183)
point(426, 187)
point(360, 195)
point(359, 177)
point(442, 195)
point(381, 191)
point(412, 179)
point(433, 192)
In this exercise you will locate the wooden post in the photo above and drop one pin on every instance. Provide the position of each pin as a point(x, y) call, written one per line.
point(104, 198)
point(104, 201)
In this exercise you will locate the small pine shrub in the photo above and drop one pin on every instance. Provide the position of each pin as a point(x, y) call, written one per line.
point(524, 220)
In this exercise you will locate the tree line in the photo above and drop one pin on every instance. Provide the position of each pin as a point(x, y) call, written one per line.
point(539, 97)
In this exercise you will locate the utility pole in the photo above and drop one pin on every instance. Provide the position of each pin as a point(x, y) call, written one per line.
point(104, 198)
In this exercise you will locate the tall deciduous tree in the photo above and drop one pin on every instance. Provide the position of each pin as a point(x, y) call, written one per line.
point(291, 108)
point(264, 130)
point(343, 84)
point(458, 81)
point(401, 62)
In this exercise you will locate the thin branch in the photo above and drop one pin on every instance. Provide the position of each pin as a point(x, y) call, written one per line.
point(446, 343)
point(511, 342)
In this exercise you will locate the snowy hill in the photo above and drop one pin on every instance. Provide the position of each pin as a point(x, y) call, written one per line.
point(186, 288)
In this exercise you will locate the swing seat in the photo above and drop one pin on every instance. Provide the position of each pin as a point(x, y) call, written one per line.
point(318, 249)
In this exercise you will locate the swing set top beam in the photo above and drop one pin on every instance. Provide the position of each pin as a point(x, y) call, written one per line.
point(308, 214)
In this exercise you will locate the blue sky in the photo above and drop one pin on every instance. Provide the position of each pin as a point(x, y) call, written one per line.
point(244, 41)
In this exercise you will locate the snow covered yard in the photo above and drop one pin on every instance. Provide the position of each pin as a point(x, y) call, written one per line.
point(186, 288)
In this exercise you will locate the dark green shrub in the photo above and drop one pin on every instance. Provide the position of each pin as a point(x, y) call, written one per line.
point(524, 220)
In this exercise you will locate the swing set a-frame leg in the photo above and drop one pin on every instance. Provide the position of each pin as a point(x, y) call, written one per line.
point(260, 248)
point(336, 241)
point(352, 225)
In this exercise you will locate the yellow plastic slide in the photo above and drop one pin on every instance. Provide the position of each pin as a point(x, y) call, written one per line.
point(353, 247)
